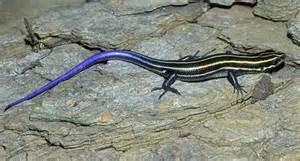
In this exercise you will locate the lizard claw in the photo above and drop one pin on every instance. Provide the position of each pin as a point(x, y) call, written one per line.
point(166, 89)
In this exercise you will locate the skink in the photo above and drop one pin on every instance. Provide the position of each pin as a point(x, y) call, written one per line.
point(190, 68)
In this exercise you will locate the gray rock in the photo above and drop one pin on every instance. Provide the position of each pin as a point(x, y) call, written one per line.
point(294, 29)
point(53, 153)
point(12, 45)
point(121, 7)
point(114, 116)
point(221, 19)
point(231, 2)
point(262, 89)
point(246, 32)
point(13, 12)
point(69, 25)
point(257, 35)
point(277, 10)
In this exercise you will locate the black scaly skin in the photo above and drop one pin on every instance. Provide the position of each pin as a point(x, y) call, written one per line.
point(190, 68)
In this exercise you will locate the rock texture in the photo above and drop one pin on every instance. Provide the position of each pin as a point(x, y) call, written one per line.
point(113, 116)
point(277, 10)
point(231, 2)
point(138, 6)
point(12, 45)
point(294, 29)
point(127, 29)
point(245, 32)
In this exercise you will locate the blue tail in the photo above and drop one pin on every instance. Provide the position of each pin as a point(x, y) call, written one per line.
point(122, 55)
point(69, 74)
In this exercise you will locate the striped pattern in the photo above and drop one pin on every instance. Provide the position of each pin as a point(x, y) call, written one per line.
point(210, 67)
point(193, 70)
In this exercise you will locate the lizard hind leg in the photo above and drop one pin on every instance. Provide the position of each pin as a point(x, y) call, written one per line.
point(166, 86)
point(232, 78)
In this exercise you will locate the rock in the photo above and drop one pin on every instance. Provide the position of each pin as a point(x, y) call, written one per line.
point(12, 45)
point(231, 2)
point(114, 116)
point(70, 26)
point(294, 29)
point(277, 10)
point(257, 35)
point(245, 32)
point(220, 18)
point(257, 123)
point(262, 89)
point(121, 7)
point(105, 117)
point(12, 28)
point(2, 153)
point(72, 102)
